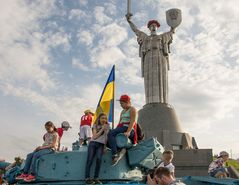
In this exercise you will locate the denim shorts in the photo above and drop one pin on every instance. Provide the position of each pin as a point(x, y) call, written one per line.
point(214, 172)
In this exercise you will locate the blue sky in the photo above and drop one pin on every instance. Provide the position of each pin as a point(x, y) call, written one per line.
point(55, 57)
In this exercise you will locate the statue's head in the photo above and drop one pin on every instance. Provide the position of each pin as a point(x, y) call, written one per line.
point(153, 25)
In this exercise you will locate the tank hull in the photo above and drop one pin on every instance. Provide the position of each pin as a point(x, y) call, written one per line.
point(189, 180)
point(69, 167)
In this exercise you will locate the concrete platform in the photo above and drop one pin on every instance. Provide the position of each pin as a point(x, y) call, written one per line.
point(160, 120)
point(192, 162)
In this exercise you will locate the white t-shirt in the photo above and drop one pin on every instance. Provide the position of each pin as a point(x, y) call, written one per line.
point(170, 166)
point(49, 139)
point(103, 137)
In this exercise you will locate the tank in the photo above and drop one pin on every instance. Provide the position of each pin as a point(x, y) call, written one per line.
point(68, 167)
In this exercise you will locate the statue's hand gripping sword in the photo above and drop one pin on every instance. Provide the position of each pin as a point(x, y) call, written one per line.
point(129, 14)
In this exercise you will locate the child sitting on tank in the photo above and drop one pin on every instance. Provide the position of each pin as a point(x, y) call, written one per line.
point(96, 148)
point(167, 161)
point(127, 125)
point(49, 146)
point(217, 167)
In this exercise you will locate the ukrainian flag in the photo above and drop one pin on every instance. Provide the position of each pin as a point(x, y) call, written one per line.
point(106, 102)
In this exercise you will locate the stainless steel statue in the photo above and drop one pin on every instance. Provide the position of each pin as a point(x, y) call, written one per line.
point(154, 51)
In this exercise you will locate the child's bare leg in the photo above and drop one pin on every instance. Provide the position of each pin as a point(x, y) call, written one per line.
point(224, 175)
point(81, 141)
point(219, 175)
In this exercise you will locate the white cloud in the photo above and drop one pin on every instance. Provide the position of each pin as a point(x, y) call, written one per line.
point(110, 8)
point(138, 100)
point(107, 51)
point(112, 35)
point(58, 39)
point(17, 18)
point(77, 63)
point(83, 2)
point(77, 14)
point(23, 55)
point(130, 72)
point(107, 56)
point(85, 37)
point(100, 17)
point(131, 48)
point(141, 16)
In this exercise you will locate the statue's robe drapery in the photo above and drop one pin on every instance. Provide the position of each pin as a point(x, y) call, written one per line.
point(154, 51)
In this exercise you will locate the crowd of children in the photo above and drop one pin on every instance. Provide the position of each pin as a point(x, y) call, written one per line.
point(99, 135)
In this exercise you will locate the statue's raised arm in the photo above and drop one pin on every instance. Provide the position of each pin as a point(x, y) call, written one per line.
point(140, 35)
point(132, 25)
point(128, 18)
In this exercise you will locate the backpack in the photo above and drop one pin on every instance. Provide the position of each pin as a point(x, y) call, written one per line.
point(10, 175)
point(140, 133)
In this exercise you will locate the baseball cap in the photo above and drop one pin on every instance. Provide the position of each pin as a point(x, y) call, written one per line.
point(88, 111)
point(223, 153)
point(124, 98)
point(65, 124)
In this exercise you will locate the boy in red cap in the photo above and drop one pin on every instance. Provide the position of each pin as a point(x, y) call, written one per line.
point(126, 125)
point(64, 127)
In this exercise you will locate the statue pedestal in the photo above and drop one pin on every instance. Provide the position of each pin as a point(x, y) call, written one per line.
point(160, 120)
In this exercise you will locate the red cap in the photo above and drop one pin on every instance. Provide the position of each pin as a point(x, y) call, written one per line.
point(153, 21)
point(124, 98)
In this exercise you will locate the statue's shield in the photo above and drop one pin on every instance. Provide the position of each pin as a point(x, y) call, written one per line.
point(173, 17)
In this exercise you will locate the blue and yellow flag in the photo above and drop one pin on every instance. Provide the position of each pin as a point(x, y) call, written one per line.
point(106, 102)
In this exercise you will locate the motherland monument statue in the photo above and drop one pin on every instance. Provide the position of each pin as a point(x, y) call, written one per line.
point(154, 53)
point(157, 117)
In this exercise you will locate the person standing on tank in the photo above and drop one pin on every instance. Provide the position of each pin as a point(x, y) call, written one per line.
point(96, 148)
point(85, 126)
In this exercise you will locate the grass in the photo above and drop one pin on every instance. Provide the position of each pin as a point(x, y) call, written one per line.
point(234, 163)
point(231, 162)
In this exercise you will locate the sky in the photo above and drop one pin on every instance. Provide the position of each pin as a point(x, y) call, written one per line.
point(55, 57)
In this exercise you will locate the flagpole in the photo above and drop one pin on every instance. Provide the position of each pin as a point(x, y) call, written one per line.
point(113, 103)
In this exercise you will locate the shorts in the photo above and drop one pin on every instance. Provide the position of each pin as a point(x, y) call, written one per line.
point(85, 132)
point(214, 172)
